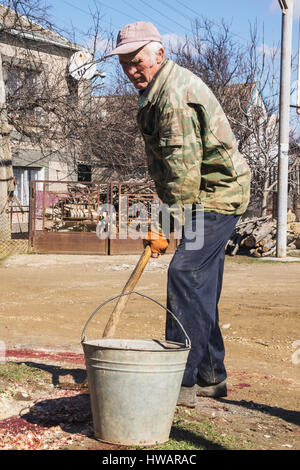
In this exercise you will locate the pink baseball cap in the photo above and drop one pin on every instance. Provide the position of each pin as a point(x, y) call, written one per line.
point(134, 36)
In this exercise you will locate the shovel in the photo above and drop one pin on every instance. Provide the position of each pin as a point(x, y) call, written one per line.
point(119, 307)
point(129, 287)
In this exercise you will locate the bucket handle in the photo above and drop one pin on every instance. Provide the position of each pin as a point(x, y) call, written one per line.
point(187, 339)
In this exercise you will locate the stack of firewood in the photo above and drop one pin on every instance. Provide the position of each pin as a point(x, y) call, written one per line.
point(257, 237)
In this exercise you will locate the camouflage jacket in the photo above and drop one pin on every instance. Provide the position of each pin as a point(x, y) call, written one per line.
point(192, 153)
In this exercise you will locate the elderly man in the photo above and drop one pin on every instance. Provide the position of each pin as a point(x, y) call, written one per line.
point(193, 159)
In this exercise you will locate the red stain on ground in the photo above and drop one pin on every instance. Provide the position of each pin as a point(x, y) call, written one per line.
point(17, 434)
point(35, 430)
point(242, 385)
point(16, 424)
point(71, 358)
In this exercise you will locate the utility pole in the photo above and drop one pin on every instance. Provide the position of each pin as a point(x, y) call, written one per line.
point(284, 121)
point(298, 84)
point(6, 172)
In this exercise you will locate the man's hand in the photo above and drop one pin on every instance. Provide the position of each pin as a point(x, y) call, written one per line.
point(157, 242)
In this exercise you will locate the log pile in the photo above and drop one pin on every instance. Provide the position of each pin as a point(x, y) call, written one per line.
point(257, 237)
point(71, 218)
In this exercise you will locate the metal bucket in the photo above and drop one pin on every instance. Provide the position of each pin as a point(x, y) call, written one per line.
point(134, 385)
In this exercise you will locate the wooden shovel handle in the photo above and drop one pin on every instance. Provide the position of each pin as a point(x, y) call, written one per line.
point(129, 286)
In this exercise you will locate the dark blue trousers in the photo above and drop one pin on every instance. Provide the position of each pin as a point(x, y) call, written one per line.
point(193, 292)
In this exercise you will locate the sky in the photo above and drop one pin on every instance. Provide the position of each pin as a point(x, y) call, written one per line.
point(173, 18)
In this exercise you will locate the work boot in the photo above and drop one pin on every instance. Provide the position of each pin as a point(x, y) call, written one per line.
point(213, 391)
point(187, 397)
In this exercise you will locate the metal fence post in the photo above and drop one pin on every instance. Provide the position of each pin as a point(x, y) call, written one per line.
point(284, 117)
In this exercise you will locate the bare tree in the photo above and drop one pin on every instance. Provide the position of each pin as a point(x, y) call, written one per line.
point(80, 120)
point(245, 79)
point(66, 118)
point(46, 107)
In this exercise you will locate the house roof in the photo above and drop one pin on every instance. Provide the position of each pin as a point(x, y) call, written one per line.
point(17, 25)
point(237, 98)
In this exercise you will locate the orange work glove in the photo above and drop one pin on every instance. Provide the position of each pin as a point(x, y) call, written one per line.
point(157, 242)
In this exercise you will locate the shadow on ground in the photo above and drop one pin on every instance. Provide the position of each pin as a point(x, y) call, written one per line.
point(77, 376)
point(73, 415)
point(291, 416)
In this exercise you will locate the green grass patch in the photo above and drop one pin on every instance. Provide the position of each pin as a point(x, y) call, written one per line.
point(188, 433)
point(240, 259)
point(14, 372)
point(294, 255)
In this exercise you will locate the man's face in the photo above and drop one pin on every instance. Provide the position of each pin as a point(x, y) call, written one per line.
point(139, 67)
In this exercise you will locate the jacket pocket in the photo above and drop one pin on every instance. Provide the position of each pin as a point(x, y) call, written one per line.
point(171, 141)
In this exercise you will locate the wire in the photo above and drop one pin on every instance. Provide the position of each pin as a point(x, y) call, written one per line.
point(188, 8)
point(214, 22)
point(86, 12)
point(175, 9)
point(160, 13)
point(76, 8)
point(122, 13)
point(118, 11)
point(147, 16)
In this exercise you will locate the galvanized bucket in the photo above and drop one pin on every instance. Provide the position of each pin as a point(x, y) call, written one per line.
point(134, 385)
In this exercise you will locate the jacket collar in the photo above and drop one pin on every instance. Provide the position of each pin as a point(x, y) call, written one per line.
point(150, 94)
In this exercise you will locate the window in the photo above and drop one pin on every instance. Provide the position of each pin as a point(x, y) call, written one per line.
point(23, 176)
point(23, 87)
point(84, 172)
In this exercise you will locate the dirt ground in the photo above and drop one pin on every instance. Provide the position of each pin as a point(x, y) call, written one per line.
point(47, 299)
